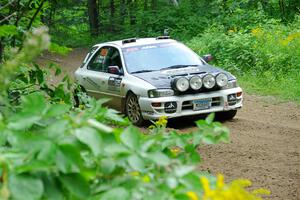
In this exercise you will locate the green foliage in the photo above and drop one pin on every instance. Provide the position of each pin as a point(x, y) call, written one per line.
point(287, 86)
point(17, 17)
point(62, 50)
point(232, 51)
point(37, 42)
point(265, 57)
point(8, 30)
point(51, 142)
point(117, 20)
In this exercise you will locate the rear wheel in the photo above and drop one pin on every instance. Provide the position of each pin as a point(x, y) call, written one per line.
point(133, 110)
point(226, 115)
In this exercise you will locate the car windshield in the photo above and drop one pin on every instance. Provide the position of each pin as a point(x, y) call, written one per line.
point(154, 57)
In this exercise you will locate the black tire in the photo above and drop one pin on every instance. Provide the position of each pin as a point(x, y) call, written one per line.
point(226, 115)
point(133, 110)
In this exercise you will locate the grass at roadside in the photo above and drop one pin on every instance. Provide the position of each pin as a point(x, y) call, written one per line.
point(265, 58)
point(287, 87)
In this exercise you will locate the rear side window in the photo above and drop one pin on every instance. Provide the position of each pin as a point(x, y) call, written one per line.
point(87, 57)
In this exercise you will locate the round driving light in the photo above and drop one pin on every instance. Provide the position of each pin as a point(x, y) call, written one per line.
point(209, 81)
point(195, 82)
point(221, 80)
point(182, 84)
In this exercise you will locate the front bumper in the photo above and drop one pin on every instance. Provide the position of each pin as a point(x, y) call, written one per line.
point(185, 107)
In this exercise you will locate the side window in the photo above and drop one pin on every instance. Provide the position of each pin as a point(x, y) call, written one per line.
point(98, 60)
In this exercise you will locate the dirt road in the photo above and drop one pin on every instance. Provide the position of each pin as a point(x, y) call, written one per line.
point(264, 147)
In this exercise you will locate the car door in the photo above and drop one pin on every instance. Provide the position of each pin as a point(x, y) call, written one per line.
point(94, 77)
point(101, 84)
point(114, 81)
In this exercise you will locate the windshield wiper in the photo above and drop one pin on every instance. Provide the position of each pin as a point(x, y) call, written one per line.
point(178, 66)
point(142, 71)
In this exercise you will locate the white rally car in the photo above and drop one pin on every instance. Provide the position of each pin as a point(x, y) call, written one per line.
point(152, 77)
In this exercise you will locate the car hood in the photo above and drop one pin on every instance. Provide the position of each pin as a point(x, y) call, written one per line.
point(162, 79)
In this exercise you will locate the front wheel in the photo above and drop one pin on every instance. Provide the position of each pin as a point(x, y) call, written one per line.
point(226, 115)
point(133, 110)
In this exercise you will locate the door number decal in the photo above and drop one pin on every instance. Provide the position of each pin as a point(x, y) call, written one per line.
point(114, 83)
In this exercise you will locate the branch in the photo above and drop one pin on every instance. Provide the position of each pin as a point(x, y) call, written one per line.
point(9, 16)
point(22, 13)
point(10, 2)
point(35, 14)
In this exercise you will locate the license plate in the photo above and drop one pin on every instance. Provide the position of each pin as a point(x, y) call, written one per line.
point(202, 104)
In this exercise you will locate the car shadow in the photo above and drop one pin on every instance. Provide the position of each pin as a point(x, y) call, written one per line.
point(190, 121)
point(187, 122)
point(184, 122)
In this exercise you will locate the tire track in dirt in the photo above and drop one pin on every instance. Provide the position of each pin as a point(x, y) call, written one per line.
point(264, 147)
point(265, 140)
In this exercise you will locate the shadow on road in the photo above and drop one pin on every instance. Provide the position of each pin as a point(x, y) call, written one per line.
point(184, 122)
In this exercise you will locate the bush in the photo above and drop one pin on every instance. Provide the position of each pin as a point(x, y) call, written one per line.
point(265, 58)
point(233, 50)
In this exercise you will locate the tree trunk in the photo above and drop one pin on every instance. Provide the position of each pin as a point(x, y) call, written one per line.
point(154, 5)
point(93, 17)
point(146, 5)
point(132, 17)
point(112, 15)
point(18, 16)
point(48, 19)
point(282, 9)
point(122, 12)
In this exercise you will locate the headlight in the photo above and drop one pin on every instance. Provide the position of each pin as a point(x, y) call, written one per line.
point(230, 84)
point(181, 84)
point(209, 81)
point(195, 82)
point(160, 93)
point(222, 80)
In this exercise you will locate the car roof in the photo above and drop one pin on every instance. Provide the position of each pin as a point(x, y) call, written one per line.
point(137, 42)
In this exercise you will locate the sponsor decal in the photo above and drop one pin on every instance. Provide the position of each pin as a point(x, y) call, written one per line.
point(188, 70)
point(144, 47)
point(93, 83)
point(149, 47)
point(114, 83)
point(232, 97)
point(128, 50)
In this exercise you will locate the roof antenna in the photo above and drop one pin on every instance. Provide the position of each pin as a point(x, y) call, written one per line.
point(166, 32)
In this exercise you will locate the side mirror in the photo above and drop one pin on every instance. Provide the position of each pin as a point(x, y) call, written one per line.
point(114, 70)
point(207, 58)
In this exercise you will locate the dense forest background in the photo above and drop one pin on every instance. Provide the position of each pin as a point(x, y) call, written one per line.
point(76, 23)
point(254, 39)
